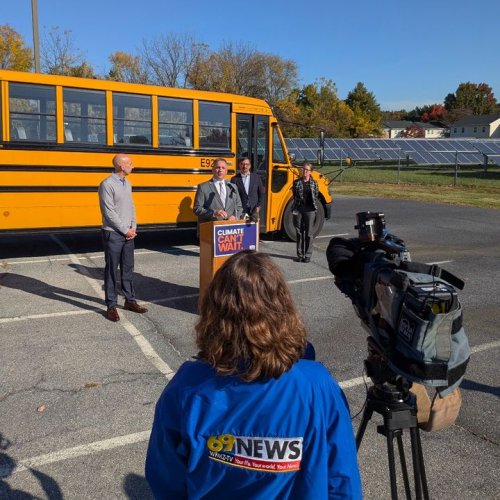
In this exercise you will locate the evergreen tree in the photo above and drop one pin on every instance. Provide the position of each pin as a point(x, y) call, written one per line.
point(367, 114)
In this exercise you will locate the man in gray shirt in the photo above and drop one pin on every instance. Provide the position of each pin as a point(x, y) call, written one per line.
point(118, 233)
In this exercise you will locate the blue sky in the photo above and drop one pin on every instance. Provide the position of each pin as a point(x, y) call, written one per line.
point(408, 53)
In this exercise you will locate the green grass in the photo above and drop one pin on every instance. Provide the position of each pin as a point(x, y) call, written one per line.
point(473, 186)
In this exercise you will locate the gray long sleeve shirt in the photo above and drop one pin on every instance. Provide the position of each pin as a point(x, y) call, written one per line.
point(117, 206)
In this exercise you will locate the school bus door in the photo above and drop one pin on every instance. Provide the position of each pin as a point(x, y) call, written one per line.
point(252, 141)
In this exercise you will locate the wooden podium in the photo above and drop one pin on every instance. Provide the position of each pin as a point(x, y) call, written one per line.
point(221, 239)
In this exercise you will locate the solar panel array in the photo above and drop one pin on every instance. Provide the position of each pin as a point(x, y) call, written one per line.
point(420, 151)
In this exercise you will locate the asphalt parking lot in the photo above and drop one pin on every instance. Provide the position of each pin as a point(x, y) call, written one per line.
point(77, 392)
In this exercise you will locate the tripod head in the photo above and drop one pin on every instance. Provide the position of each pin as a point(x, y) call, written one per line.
point(388, 386)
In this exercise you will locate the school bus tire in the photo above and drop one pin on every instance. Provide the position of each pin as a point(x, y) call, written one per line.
point(288, 229)
point(320, 219)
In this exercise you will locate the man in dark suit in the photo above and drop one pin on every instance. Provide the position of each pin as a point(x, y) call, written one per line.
point(250, 188)
point(217, 199)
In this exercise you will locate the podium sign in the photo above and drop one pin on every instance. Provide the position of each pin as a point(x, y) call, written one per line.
point(232, 238)
point(221, 239)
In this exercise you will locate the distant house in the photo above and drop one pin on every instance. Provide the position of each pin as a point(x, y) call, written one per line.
point(479, 126)
point(393, 129)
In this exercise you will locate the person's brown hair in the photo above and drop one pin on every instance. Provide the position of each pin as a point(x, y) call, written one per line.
point(248, 324)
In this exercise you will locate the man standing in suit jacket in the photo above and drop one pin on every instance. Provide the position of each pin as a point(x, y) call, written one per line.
point(217, 199)
point(250, 188)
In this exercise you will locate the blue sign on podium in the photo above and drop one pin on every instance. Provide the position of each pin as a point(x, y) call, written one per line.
point(232, 238)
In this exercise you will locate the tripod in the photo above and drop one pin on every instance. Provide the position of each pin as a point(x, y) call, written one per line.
point(398, 407)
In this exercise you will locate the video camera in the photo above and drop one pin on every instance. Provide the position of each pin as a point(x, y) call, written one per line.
point(411, 310)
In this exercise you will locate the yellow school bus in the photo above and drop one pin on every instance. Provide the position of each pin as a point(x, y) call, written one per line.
point(59, 134)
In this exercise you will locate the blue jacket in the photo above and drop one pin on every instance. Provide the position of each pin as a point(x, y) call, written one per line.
point(220, 437)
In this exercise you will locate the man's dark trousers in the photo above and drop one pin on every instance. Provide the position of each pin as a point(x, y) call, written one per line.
point(118, 252)
point(304, 226)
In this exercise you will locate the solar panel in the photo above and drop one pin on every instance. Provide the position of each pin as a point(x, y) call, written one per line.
point(331, 155)
point(469, 158)
point(419, 159)
point(382, 153)
point(420, 151)
point(488, 147)
point(312, 143)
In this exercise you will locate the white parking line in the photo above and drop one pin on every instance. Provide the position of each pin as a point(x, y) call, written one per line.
point(90, 310)
point(77, 451)
point(305, 280)
point(97, 256)
point(485, 347)
point(347, 384)
point(48, 315)
point(141, 341)
point(331, 235)
point(138, 437)
point(98, 290)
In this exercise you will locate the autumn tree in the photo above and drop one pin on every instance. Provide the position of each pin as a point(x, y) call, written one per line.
point(234, 68)
point(83, 70)
point(14, 54)
point(238, 68)
point(427, 113)
point(433, 113)
point(280, 75)
point(367, 115)
point(314, 107)
point(470, 99)
point(126, 68)
point(170, 60)
point(413, 131)
point(60, 57)
point(394, 115)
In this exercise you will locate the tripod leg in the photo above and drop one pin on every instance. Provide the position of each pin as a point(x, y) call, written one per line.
point(404, 468)
point(418, 465)
point(392, 464)
point(367, 414)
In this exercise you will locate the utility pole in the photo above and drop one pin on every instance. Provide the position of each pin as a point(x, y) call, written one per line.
point(36, 48)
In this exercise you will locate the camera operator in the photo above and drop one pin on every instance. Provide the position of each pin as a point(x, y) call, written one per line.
point(251, 418)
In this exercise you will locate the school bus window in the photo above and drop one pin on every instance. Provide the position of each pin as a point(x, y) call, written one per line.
point(32, 112)
point(278, 153)
point(215, 120)
point(131, 119)
point(175, 122)
point(84, 116)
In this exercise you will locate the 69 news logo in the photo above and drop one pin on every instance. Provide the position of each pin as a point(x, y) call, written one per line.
point(265, 454)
